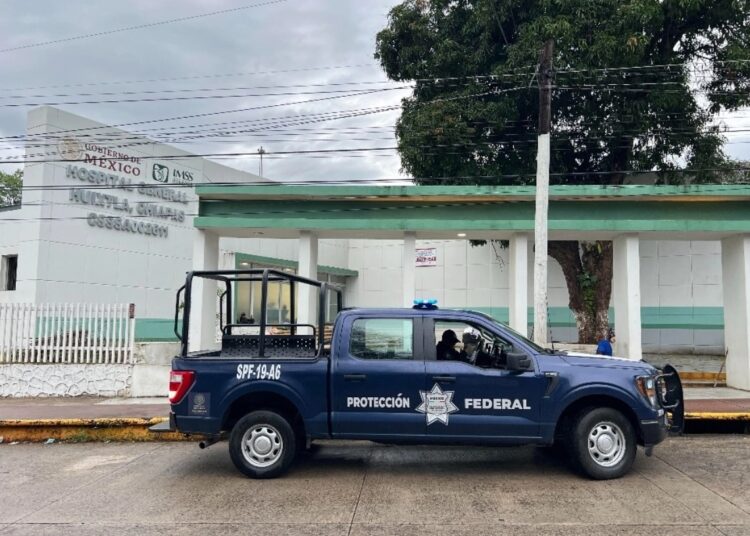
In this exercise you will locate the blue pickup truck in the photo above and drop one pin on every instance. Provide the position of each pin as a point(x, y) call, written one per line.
point(421, 376)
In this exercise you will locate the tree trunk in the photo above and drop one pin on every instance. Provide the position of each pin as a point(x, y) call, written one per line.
point(587, 267)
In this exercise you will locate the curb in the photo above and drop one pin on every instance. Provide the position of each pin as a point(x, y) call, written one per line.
point(717, 416)
point(83, 430)
point(136, 429)
point(693, 375)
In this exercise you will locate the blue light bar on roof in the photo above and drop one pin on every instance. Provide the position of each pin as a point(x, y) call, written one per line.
point(430, 303)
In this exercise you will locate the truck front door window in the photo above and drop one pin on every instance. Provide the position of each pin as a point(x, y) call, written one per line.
point(468, 343)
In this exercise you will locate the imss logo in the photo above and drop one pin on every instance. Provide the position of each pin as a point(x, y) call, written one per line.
point(160, 173)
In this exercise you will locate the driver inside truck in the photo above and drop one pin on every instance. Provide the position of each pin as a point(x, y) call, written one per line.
point(445, 349)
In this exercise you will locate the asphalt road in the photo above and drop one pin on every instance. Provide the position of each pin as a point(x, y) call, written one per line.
point(692, 486)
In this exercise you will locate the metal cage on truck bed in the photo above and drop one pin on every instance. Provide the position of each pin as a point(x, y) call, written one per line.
point(287, 337)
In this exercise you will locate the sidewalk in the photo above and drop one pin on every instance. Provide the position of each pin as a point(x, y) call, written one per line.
point(83, 419)
point(82, 408)
point(717, 403)
point(128, 419)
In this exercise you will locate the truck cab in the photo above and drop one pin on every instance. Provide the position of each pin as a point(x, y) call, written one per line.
point(422, 375)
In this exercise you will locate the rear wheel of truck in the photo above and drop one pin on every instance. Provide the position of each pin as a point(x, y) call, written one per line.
point(262, 444)
point(602, 443)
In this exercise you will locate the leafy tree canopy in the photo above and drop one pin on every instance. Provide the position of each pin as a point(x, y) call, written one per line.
point(637, 85)
point(10, 188)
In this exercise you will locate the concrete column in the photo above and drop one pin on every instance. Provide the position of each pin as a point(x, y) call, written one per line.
point(308, 267)
point(203, 304)
point(409, 289)
point(735, 273)
point(626, 290)
point(518, 258)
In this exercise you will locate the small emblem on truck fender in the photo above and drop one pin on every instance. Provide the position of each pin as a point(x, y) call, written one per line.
point(199, 403)
point(437, 405)
point(246, 371)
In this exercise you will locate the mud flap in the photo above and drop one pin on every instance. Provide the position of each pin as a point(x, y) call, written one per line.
point(672, 399)
point(167, 425)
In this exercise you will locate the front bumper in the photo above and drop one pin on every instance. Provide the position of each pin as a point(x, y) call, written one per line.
point(654, 432)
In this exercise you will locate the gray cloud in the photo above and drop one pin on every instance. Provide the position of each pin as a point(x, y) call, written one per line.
point(293, 35)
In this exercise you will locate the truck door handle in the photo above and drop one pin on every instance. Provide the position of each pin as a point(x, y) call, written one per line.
point(355, 377)
point(446, 379)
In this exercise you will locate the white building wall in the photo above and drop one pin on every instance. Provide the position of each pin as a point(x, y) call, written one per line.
point(62, 258)
point(680, 281)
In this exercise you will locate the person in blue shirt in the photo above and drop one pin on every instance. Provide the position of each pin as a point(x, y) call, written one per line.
point(604, 346)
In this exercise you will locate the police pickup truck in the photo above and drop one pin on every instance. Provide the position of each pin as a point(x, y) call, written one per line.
point(402, 376)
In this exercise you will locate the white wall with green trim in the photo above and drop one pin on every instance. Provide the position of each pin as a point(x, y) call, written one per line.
point(681, 288)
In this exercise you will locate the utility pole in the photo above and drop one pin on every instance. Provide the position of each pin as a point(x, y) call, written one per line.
point(261, 152)
point(542, 195)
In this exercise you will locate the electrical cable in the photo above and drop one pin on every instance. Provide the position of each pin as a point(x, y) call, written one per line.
point(138, 27)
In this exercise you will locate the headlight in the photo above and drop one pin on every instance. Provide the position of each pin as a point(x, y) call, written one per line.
point(647, 387)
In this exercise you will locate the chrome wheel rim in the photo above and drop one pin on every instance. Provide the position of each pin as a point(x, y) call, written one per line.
point(262, 445)
point(606, 444)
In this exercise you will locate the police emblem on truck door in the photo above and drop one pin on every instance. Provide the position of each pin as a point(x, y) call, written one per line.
point(437, 404)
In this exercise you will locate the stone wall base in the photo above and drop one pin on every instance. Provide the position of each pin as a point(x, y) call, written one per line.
point(27, 380)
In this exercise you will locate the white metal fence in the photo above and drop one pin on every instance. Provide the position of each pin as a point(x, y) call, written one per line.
point(66, 333)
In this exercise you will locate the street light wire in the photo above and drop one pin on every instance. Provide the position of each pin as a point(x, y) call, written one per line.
point(138, 27)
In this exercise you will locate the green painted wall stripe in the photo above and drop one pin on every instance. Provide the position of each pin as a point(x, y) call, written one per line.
point(651, 317)
point(277, 190)
point(160, 329)
point(154, 330)
point(285, 263)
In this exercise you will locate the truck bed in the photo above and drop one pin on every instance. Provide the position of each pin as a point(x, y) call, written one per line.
point(221, 384)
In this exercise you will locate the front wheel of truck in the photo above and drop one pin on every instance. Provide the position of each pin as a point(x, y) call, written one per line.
point(602, 443)
point(262, 444)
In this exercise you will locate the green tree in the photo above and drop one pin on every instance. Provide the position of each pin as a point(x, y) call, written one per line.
point(638, 83)
point(10, 188)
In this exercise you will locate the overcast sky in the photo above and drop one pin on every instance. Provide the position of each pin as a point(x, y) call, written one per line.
point(319, 41)
point(316, 41)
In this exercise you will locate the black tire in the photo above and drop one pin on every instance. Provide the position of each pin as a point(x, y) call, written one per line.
point(272, 451)
point(609, 456)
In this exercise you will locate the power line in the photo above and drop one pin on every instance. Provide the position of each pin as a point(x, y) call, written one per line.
point(196, 90)
point(155, 95)
point(195, 77)
point(58, 135)
point(506, 139)
point(432, 102)
point(443, 82)
point(351, 92)
point(139, 26)
point(168, 132)
point(204, 114)
point(322, 117)
point(522, 72)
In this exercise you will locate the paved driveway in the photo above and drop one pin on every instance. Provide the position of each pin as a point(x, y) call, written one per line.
point(698, 485)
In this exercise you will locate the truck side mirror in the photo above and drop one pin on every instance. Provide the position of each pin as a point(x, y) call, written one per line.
point(517, 361)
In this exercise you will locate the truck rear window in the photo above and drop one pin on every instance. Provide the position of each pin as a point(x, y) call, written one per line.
point(382, 338)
